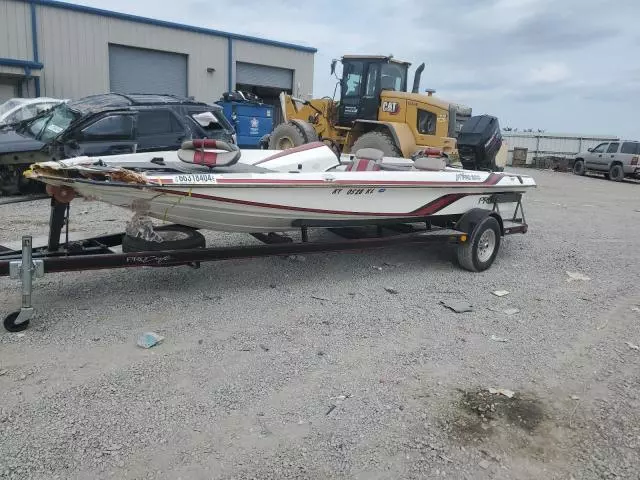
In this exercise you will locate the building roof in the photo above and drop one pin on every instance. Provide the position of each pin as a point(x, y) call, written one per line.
point(162, 23)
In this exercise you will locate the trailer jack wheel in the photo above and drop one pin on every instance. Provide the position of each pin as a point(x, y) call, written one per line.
point(24, 270)
point(11, 325)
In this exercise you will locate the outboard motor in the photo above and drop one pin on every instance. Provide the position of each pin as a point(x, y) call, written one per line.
point(478, 142)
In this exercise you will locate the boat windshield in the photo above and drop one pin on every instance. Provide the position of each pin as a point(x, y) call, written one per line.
point(46, 127)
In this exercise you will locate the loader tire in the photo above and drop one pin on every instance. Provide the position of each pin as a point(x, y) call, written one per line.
point(286, 135)
point(380, 141)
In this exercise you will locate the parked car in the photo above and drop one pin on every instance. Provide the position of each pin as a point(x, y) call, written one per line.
point(19, 109)
point(616, 160)
point(106, 124)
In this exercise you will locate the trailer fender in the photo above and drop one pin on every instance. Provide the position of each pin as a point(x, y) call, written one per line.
point(473, 217)
point(400, 132)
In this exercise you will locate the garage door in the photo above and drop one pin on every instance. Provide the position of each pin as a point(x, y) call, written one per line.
point(137, 70)
point(264, 76)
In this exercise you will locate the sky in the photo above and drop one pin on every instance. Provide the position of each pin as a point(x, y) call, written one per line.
point(558, 65)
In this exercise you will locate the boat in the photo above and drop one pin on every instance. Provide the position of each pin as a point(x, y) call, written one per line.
point(211, 185)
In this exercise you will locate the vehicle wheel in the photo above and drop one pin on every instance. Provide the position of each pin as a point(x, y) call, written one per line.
point(175, 237)
point(380, 141)
point(10, 324)
point(616, 173)
point(286, 135)
point(578, 167)
point(480, 250)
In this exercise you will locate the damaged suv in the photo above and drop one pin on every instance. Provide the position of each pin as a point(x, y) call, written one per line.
point(108, 124)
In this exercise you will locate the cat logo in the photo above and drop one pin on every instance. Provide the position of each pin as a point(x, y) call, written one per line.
point(391, 107)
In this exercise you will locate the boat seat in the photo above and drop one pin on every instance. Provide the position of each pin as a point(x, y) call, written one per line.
point(395, 168)
point(433, 164)
point(209, 153)
point(366, 159)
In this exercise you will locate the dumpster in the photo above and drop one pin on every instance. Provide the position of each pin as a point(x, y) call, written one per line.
point(252, 119)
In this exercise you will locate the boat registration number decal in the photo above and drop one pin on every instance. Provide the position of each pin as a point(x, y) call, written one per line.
point(195, 178)
point(355, 191)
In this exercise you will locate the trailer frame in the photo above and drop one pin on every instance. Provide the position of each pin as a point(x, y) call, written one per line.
point(97, 253)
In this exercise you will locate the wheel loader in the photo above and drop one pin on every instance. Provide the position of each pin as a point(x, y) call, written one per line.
point(376, 110)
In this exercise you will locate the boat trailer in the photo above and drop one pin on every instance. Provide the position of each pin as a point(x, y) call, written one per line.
point(98, 253)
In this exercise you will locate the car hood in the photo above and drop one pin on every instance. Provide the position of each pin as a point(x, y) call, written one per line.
point(11, 141)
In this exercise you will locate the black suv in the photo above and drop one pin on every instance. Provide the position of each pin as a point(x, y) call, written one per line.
point(106, 124)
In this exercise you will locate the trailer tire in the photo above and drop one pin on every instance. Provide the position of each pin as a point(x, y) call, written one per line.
point(380, 141)
point(480, 250)
point(286, 135)
point(616, 173)
point(178, 238)
point(578, 167)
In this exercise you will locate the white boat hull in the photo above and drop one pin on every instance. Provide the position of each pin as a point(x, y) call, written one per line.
point(268, 207)
point(274, 197)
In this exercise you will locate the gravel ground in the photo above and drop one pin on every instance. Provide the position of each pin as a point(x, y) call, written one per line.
point(276, 368)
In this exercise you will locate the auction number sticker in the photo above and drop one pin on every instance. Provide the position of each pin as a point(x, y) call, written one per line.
point(194, 178)
point(54, 128)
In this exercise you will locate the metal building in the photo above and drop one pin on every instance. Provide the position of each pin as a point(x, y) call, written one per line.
point(542, 144)
point(63, 50)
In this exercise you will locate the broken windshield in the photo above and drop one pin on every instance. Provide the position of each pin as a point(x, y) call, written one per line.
point(212, 120)
point(46, 127)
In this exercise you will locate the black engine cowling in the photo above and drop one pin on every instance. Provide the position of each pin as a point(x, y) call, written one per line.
point(479, 141)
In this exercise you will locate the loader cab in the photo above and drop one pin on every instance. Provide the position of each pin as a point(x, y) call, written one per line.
point(363, 80)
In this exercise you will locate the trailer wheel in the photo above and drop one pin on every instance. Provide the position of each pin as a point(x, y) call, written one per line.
point(578, 167)
point(480, 250)
point(175, 237)
point(10, 324)
point(616, 173)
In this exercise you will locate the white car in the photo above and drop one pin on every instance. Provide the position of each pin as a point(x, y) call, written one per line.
point(19, 109)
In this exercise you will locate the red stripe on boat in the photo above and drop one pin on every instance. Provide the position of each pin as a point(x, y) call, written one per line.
point(289, 151)
point(491, 180)
point(428, 209)
point(438, 204)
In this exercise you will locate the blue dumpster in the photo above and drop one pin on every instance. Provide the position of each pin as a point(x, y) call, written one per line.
point(251, 120)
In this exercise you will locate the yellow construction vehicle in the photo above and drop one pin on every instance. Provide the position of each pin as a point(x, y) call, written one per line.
point(375, 110)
